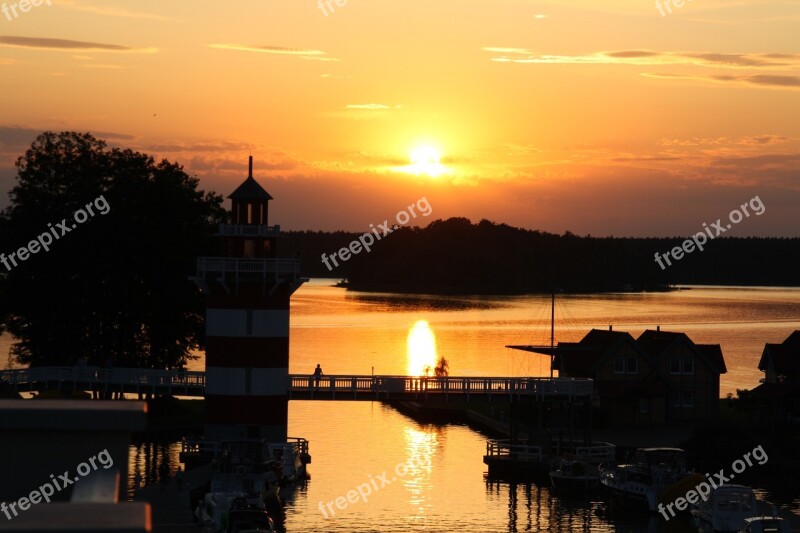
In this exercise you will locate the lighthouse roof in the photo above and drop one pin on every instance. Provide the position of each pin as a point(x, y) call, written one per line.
point(250, 190)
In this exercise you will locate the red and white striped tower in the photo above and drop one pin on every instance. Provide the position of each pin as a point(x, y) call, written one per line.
point(247, 323)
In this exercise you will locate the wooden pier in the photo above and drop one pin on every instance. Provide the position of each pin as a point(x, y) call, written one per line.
point(300, 386)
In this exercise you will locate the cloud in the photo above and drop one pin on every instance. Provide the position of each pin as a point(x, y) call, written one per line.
point(316, 55)
point(20, 137)
point(91, 65)
point(109, 11)
point(367, 106)
point(788, 63)
point(760, 80)
point(65, 44)
point(650, 57)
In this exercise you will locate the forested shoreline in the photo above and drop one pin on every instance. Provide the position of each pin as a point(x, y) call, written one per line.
point(459, 257)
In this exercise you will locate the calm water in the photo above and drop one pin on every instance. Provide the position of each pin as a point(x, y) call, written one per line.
point(355, 332)
point(353, 443)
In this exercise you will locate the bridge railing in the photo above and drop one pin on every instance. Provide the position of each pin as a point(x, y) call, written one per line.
point(140, 378)
point(184, 381)
point(446, 385)
point(527, 452)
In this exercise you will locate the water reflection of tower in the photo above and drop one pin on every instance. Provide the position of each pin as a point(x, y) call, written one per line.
point(247, 322)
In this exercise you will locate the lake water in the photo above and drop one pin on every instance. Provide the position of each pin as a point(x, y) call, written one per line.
point(354, 333)
point(353, 443)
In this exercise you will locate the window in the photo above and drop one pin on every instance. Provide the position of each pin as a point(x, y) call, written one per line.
point(626, 365)
point(643, 405)
point(688, 399)
point(681, 366)
point(675, 399)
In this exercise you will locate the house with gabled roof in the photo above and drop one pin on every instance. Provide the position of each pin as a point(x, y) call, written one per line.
point(660, 377)
point(691, 371)
point(781, 362)
point(779, 392)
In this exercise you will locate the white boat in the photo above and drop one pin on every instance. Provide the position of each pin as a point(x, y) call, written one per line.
point(642, 482)
point(576, 477)
point(228, 512)
point(725, 509)
point(766, 524)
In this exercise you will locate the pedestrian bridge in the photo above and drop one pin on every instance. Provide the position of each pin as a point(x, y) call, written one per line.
point(300, 386)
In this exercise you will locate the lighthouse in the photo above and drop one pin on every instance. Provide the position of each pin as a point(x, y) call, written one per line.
point(248, 292)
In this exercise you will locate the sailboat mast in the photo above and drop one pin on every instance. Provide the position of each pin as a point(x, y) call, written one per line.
point(552, 331)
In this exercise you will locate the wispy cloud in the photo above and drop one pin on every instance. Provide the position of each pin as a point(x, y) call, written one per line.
point(65, 44)
point(316, 55)
point(761, 80)
point(368, 106)
point(109, 11)
point(650, 57)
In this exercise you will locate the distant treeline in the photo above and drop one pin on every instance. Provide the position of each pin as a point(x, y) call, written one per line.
point(456, 256)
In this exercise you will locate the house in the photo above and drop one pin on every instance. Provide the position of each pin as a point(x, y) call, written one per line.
point(659, 377)
point(781, 362)
point(779, 393)
point(691, 372)
point(626, 389)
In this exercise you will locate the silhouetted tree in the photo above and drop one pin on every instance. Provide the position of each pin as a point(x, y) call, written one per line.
point(442, 369)
point(115, 286)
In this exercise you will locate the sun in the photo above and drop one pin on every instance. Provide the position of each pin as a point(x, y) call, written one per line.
point(426, 160)
point(421, 349)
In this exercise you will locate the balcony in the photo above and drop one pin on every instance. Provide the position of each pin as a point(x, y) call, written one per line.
point(224, 266)
point(248, 230)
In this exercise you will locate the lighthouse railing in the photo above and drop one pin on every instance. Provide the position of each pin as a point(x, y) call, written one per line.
point(227, 265)
point(249, 230)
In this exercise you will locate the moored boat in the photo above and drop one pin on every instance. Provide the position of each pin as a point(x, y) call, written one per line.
point(574, 477)
point(725, 509)
point(641, 483)
point(219, 511)
point(766, 524)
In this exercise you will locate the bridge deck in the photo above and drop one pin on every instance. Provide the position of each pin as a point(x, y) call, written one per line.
point(300, 387)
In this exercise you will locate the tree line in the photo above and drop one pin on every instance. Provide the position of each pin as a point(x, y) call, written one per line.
point(460, 257)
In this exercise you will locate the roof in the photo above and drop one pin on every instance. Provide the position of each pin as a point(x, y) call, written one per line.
point(656, 342)
point(713, 353)
point(250, 190)
point(785, 357)
point(581, 358)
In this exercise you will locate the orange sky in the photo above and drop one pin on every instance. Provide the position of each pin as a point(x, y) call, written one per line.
point(598, 117)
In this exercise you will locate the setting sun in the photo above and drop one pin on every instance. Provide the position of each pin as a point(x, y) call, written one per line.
point(426, 160)
point(421, 349)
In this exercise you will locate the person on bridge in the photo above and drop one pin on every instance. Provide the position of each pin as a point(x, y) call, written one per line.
point(317, 374)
